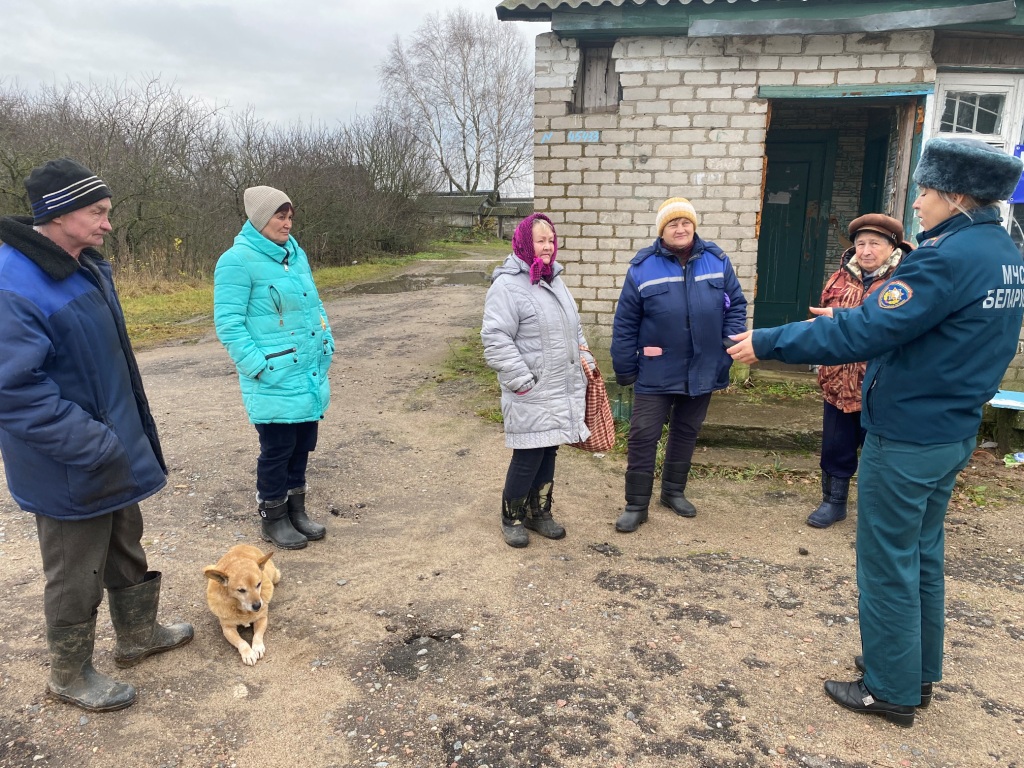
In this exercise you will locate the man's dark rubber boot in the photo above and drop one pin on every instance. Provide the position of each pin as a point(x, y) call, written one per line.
point(133, 614)
point(673, 483)
point(513, 513)
point(300, 520)
point(538, 515)
point(639, 486)
point(276, 526)
point(834, 493)
point(72, 677)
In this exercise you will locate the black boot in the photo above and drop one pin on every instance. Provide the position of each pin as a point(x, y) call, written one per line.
point(639, 486)
point(856, 697)
point(72, 677)
point(133, 614)
point(297, 514)
point(539, 518)
point(277, 526)
point(673, 483)
point(834, 493)
point(513, 513)
point(926, 688)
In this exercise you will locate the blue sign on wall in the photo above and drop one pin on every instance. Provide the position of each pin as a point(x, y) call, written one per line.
point(1018, 193)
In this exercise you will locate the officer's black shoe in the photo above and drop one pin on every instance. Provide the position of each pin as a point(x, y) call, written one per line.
point(856, 697)
point(926, 688)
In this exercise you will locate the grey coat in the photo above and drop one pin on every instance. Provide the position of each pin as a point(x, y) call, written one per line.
point(532, 337)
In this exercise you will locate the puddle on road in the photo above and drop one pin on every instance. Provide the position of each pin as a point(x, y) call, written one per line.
point(407, 283)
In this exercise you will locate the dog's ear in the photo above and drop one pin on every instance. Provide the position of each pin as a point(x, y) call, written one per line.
point(263, 560)
point(213, 574)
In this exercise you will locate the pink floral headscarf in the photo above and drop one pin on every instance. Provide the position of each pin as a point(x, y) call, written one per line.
point(522, 246)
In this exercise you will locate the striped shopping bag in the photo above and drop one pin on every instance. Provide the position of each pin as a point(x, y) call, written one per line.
point(598, 413)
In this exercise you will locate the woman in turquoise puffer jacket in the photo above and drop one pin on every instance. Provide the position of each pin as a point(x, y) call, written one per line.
point(269, 317)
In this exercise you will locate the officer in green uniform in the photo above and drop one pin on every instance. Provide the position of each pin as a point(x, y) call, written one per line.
point(938, 337)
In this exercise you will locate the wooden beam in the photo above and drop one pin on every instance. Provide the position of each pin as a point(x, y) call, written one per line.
point(621, 21)
point(960, 50)
point(846, 18)
point(782, 17)
point(843, 91)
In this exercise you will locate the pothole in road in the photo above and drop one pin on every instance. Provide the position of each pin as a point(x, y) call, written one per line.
point(407, 283)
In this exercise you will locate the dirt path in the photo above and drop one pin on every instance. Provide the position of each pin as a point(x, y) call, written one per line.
point(412, 636)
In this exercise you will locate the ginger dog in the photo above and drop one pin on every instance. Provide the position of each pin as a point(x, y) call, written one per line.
point(238, 592)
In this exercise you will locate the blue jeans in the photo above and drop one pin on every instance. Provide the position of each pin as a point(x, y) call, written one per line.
point(902, 495)
point(284, 454)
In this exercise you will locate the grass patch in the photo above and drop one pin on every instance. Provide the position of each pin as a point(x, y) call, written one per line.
point(774, 391)
point(773, 471)
point(465, 362)
point(174, 315)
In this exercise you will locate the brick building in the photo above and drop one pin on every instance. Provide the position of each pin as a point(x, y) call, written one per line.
point(781, 120)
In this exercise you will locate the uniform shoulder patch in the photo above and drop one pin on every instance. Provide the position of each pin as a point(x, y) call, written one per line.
point(896, 294)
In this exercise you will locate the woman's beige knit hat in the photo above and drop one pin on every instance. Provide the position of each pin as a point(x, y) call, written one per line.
point(261, 203)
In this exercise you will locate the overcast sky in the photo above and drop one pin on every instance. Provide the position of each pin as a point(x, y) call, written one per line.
point(292, 60)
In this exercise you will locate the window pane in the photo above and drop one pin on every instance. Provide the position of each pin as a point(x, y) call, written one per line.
point(966, 112)
point(990, 107)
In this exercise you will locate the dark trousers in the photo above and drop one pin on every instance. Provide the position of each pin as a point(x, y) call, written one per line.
point(530, 468)
point(684, 415)
point(284, 454)
point(841, 436)
point(81, 557)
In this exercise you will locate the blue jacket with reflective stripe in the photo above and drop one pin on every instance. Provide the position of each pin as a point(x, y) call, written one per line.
point(937, 336)
point(686, 311)
point(76, 431)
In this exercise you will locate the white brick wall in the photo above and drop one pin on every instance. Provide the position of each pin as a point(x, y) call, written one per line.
point(690, 124)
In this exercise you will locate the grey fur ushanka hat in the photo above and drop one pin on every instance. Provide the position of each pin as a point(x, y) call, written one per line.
point(968, 167)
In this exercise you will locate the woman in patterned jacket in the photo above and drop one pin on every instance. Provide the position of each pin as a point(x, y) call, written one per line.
point(877, 249)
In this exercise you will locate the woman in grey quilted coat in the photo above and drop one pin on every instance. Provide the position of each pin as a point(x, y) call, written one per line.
point(532, 339)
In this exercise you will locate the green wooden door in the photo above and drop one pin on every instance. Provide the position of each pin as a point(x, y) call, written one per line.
point(794, 221)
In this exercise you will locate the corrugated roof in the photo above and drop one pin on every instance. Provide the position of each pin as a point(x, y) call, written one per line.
point(449, 203)
point(512, 9)
point(512, 209)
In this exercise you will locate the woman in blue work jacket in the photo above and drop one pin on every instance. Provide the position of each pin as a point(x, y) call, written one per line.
point(680, 299)
point(938, 336)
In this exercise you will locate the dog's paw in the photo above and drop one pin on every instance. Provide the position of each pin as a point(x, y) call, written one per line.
point(249, 654)
point(259, 649)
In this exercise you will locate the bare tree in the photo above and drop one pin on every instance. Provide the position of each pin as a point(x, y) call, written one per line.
point(463, 84)
point(397, 160)
point(178, 167)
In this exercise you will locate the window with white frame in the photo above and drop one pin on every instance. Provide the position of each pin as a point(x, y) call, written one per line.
point(967, 112)
point(983, 106)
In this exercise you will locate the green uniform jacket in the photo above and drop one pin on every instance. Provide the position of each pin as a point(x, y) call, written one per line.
point(270, 319)
point(938, 335)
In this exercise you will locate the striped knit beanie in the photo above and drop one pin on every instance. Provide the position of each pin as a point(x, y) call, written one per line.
point(62, 186)
point(675, 208)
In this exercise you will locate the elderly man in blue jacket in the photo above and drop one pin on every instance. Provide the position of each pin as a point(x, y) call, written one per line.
point(938, 336)
point(79, 443)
